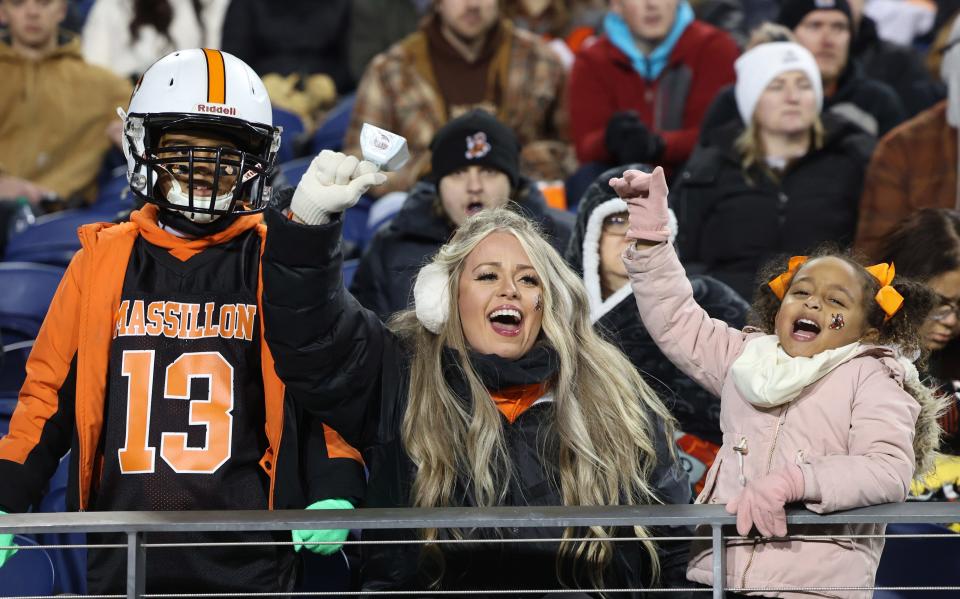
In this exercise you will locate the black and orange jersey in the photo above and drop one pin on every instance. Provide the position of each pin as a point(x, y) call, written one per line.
point(151, 365)
point(183, 425)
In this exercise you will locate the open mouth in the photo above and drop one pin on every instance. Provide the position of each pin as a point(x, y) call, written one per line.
point(474, 207)
point(506, 321)
point(805, 329)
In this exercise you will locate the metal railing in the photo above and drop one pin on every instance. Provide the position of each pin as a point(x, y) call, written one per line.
point(135, 524)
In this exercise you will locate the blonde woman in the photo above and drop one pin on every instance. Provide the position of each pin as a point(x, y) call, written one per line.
point(493, 390)
point(783, 184)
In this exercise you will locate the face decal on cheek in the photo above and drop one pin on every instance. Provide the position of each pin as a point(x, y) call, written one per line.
point(836, 322)
point(539, 305)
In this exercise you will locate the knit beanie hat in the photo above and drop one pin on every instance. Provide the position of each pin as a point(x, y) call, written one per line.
point(794, 11)
point(757, 67)
point(475, 138)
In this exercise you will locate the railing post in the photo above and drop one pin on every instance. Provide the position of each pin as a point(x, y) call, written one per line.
point(136, 565)
point(719, 562)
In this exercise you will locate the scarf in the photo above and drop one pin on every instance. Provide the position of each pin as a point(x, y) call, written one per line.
point(648, 67)
point(183, 248)
point(767, 377)
point(539, 365)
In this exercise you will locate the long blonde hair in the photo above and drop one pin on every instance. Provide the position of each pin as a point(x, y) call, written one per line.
point(603, 418)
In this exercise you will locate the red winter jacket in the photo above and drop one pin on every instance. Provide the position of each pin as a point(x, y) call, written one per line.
point(604, 82)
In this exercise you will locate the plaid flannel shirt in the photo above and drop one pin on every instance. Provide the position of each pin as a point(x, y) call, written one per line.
point(398, 92)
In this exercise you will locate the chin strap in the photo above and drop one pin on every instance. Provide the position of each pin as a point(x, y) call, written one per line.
point(176, 197)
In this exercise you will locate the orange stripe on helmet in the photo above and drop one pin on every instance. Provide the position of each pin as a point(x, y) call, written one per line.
point(216, 77)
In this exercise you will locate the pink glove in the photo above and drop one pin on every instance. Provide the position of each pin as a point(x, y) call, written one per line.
point(761, 502)
point(646, 198)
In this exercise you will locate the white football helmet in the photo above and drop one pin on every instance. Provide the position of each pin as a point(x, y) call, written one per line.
point(208, 94)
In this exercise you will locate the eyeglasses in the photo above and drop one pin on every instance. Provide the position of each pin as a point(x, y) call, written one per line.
point(946, 308)
point(616, 224)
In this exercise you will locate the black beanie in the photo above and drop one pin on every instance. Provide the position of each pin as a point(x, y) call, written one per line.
point(794, 11)
point(475, 138)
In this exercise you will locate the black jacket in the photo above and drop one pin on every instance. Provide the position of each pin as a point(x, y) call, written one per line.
point(696, 410)
point(293, 36)
point(384, 280)
point(898, 66)
point(730, 226)
point(869, 103)
point(359, 378)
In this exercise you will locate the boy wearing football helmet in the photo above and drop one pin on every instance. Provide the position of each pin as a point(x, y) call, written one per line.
point(151, 362)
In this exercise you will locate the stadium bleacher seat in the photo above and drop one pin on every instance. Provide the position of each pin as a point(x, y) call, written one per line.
point(52, 239)
point(383, 211)
point(70, 565)
point(113, 196)
point(8, 403)
point(28, 289)
point(28, 573)
point(292, 128)
point(12, 366)
point(330, 133)
point(926, 562)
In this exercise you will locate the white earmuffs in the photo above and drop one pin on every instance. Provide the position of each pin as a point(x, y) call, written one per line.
point(431, 297)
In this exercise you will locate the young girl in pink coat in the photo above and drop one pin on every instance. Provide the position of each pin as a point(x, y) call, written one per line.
point(817, 406)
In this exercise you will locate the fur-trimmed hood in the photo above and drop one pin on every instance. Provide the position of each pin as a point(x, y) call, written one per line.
point(583, 253)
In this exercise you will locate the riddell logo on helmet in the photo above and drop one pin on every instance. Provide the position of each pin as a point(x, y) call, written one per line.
point(217, 109)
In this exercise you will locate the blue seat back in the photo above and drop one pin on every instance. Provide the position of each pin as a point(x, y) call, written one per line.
point(918, 562)
point(331, 132)
point(53, 238)
point(114, 192)
point(27, 291)
point(28, 572)
point(292, 128)
point(13, 366)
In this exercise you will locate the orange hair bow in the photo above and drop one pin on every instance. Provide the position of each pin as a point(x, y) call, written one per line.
point(889, 298)
point(781, 282)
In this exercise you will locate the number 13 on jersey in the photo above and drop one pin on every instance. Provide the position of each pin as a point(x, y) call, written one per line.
point(214, 413)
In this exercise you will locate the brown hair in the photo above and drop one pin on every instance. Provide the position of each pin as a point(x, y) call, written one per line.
point(926, 245)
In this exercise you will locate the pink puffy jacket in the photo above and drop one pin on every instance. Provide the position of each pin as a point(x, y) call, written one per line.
point(851, 432)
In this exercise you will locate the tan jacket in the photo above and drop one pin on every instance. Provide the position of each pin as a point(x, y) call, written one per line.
point(913, 167)
point(399, 92)
point(851, 433)
point(54, 114)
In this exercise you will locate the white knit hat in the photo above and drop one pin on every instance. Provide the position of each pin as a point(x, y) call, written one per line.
point(764, 63)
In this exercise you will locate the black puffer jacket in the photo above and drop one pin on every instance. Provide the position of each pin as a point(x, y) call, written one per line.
point(696, 410)
point(357, 375)
point(730, 226)
point(898, 66)
point(384, 280)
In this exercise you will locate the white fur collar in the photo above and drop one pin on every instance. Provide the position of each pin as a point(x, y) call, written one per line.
point(591, 260)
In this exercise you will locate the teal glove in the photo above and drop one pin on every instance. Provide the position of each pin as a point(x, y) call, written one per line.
point(5, 540)
point(337, 536)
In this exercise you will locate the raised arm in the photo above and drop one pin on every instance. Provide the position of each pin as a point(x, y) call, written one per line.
point(328, 349)
point(703, 348)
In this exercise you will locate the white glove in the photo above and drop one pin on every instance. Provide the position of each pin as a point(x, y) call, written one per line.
point(333, 183)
